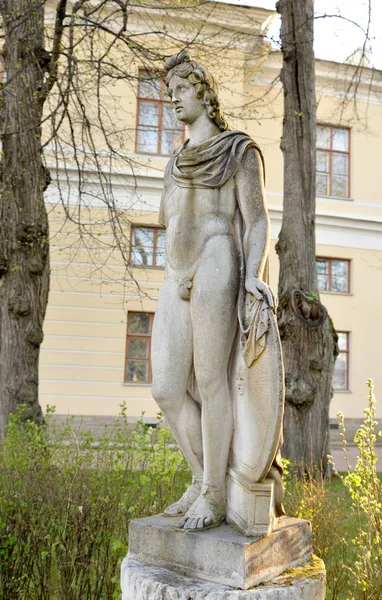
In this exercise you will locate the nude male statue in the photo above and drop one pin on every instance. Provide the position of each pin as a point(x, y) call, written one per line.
point(216, 221)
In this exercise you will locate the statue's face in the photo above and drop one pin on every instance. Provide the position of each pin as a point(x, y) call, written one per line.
point(183, 96)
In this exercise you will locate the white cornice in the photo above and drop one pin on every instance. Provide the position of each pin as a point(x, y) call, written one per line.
point(332, 78)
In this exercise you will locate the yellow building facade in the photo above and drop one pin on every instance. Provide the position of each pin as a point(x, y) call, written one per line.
point(95, 354)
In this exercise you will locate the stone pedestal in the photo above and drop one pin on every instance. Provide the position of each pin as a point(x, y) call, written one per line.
point(141, 582)
point(221, 555)
point(250, 506)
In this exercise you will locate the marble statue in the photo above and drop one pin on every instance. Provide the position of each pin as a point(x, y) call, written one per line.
point(216, 358)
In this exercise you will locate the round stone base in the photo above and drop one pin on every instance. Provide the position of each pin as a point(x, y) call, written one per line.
point(141, 582)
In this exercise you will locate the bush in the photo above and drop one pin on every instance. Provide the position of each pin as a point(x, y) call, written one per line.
point(65, 505)
point(326, 505)
point(365, 490)
point(345, 514)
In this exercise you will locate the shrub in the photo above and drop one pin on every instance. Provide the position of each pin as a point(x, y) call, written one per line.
point(325, 504)
point(65, 505)
point(366, 506)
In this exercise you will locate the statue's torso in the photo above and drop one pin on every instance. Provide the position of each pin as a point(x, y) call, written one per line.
point(192, 216)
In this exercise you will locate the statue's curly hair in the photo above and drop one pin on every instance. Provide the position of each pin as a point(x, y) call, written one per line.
point(182, 65)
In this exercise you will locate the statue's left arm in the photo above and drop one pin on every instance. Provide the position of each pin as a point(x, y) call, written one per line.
point(250, 192)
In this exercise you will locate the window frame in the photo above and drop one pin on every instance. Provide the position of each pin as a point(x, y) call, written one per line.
point(140, 336)
point(160, 102)
point(347, 372)
point(156, 228)
point(330, 260)
point(331, 152)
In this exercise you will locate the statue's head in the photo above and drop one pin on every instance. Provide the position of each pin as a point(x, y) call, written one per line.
point(180, 66)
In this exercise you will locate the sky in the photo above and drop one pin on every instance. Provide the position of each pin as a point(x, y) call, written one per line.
point(335, 38)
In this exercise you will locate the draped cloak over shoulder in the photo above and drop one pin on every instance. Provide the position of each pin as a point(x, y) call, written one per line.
point(212, 163)
point(209, 165)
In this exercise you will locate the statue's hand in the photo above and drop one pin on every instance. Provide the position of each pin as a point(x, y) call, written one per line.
point(261, 290)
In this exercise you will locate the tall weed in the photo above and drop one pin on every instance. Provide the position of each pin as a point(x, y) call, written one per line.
point(365, 490)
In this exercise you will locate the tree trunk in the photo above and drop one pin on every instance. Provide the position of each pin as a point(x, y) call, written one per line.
point(307, 334)
point(24, 250)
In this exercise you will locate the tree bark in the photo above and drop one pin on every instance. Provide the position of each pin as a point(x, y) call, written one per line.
point(24, 249)
point(307, 334)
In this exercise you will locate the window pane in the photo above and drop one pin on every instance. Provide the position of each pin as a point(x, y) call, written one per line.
point(161, 248)
point(169, 119)
point(149, 86)
point(148, 114)
point(322, 161)
point(170, 140)
point(143, 243)
point(340, 268)
point(342, 341)
point(323, 137)
point(340, 370)
point(340, 164)
point(340, 284)
point(340, 139)
point(138, 323)
point(339, 186)
point(322, 184)
point(339, 380)
point(323, 283)
point(138, 348)
point(137, 371)
point(147, 140)
point(322, 266)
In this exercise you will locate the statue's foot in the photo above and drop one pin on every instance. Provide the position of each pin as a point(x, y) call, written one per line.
point(180, 507)
point(206, 512)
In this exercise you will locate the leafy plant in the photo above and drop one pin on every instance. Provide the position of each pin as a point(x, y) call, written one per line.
point(66, 502)
point(365, 490)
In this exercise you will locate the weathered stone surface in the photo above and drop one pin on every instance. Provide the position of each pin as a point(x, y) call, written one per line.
point(215, 341)
point(141, 582)
point(250, 506)
point(221, 555)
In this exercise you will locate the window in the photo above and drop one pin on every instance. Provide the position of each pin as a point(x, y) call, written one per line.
point(138, 347)
point(148, 246)
point(158, 130)
point(333, 275)
point(333, 161)
point(341, 368)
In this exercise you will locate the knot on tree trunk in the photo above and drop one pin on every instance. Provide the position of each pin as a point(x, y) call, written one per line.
point(19, 305)
point(35, 336)
point(36, 265)
point(299, 391)
point(308, 308)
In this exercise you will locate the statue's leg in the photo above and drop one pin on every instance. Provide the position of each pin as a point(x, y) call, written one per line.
point(214, 317)
point(172, 351)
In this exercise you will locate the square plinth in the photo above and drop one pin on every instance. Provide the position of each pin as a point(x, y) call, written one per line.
point(251, 506)
point(221, 555)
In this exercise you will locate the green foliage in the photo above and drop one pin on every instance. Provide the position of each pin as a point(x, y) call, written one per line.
point(326, 505)
point(366, 494)
point(345, 514)
point(66, 502)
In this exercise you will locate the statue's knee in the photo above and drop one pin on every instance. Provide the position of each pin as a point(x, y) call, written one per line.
point(162, 395)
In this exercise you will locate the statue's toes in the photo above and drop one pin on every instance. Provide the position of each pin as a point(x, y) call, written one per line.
point(173, 510)
point(208, 521)
point(182, 522)
point(200, 523)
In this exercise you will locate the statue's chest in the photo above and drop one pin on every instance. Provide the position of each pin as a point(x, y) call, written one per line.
point(199, 202)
